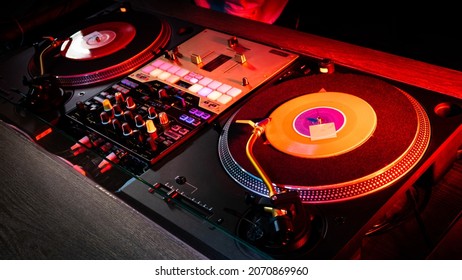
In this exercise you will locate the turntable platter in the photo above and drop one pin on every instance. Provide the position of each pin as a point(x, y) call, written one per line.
point(98, 40)
point(102, 48)
point(380, 133)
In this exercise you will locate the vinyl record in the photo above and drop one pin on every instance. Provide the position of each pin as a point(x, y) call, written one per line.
point(377, 151)
point(320, 125)
point(101, 48)
point(98, 40)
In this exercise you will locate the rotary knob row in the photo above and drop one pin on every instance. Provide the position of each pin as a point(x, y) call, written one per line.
point(131, 125)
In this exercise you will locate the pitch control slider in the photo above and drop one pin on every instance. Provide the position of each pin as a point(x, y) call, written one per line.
point(170, 195)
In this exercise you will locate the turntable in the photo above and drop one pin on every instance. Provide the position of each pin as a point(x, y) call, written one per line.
point(325, 125)
point(100, 49)
point(251, 150)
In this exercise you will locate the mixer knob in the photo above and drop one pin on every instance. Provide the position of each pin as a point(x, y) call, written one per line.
point(162, 93)
point(152, 114)
point(128, 115)
point(245, 81)
point(116, 125)
point(126, 129)
point(81, 107)
point(139, 121)
point(137, 135)
point(181, 101)
point(120, 99)
point(130, 103)
point(105, 119)
point(82, 110)
point(117, 110)
point(233, 41)
point(107, 106)
point(196, 59)
point(326, 66)
point(163, 118)
point(152, 131)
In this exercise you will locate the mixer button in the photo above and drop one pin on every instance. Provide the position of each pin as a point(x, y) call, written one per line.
point(181, 72)
point(205, 91)
point(224, 88)
point(157, 63)
point(120, 88)
point(172, 134)
point(129, 83)
point(98, 99)
point(184, 117)
point(196, 122)
point(175, 127)
point(195, 88)
point(173, 79)
point(196, 112)
point(193, 77)
point(205, 116)
point(183, 131)
point(164, 76)
point(223, 99)
point(234, 92)
point(205, 81)
point(174, 69)
point(141, 76)
point(165, 66)
point(214, 84)
point(193, 80)
point(214, 95)
point(187, 119)
point(148, 69)
point(156, 72)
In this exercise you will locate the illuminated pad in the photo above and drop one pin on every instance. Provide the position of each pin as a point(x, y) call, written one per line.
point(217, 79)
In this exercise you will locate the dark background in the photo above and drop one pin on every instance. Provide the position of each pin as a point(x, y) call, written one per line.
point(428, 32)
